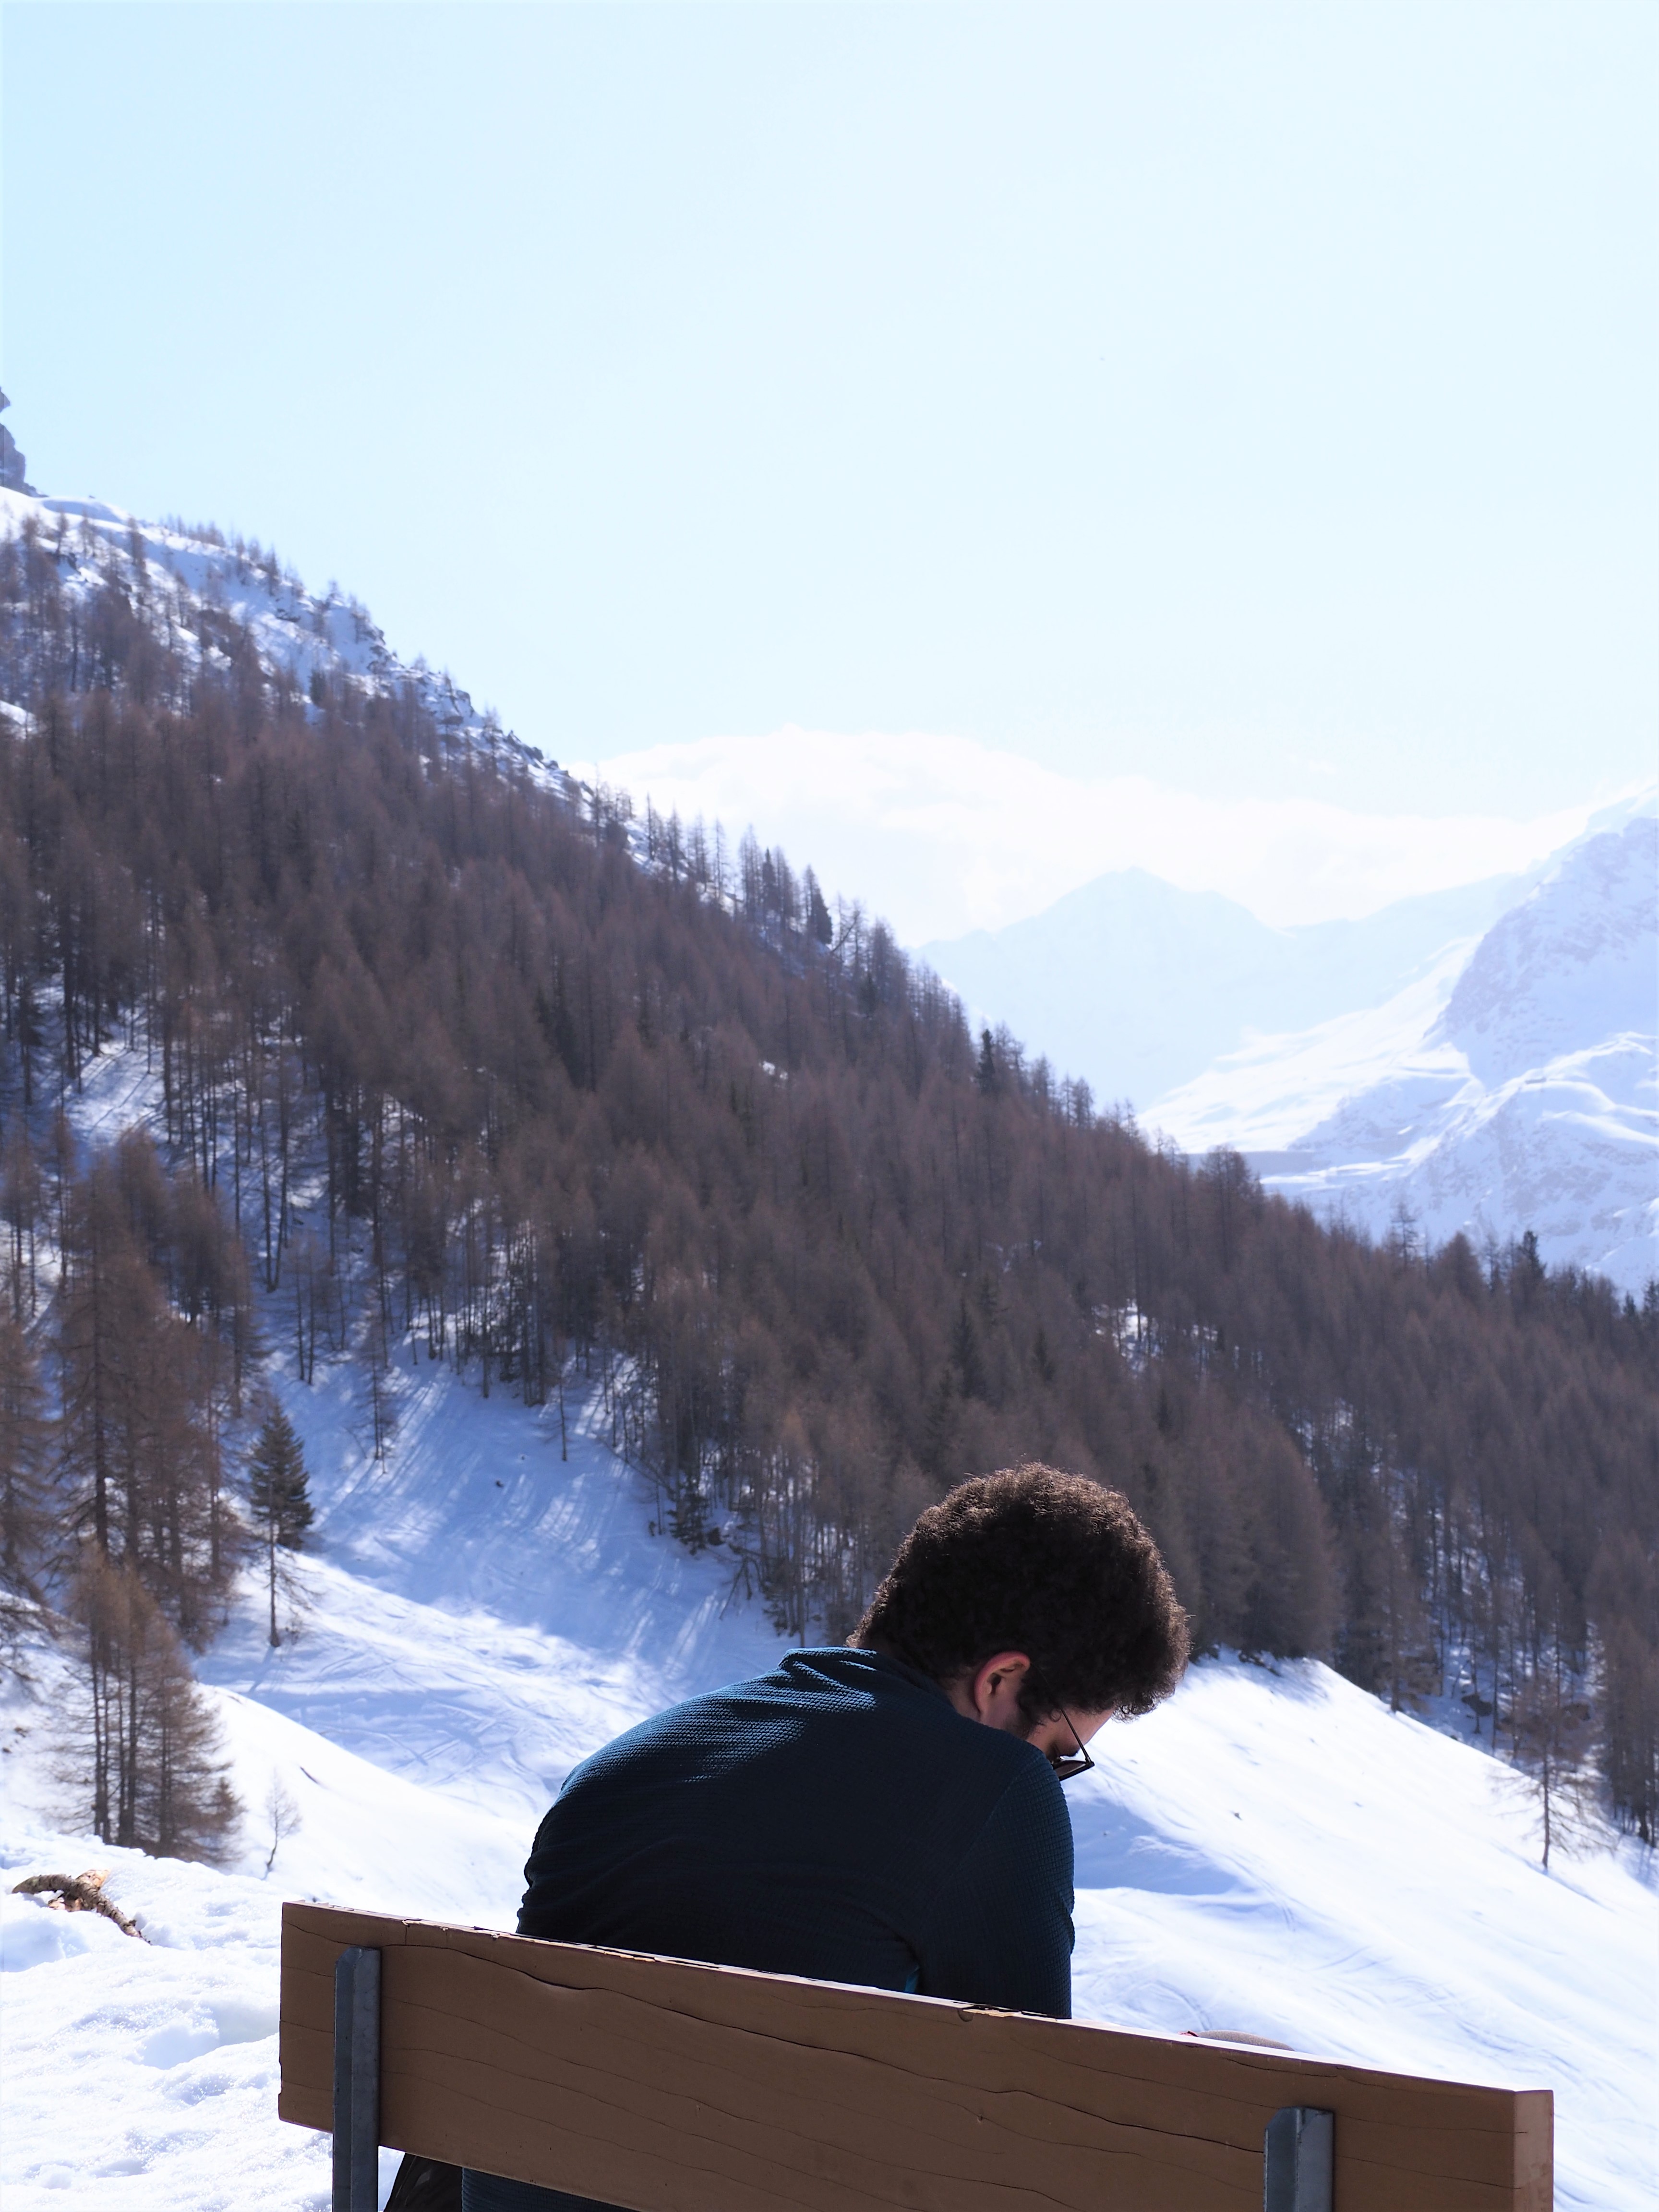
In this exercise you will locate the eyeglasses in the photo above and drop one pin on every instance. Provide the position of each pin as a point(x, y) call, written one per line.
point(1068, 1766)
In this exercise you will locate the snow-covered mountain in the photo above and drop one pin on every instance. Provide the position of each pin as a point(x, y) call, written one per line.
point(1334, 1055)
point(207, 598)
point(1484, 1059)
point(1273, 1851)
point(1515, 1086)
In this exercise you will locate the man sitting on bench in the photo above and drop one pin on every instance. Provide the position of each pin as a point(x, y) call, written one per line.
point(888, 1813)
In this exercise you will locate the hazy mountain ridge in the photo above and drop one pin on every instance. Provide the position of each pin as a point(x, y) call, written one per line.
point(1140, 987)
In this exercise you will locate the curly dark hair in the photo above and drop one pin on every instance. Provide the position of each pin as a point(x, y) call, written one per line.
point(1034, 1561)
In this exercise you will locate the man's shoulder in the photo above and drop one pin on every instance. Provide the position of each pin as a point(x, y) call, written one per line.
point(832, 1683)
point(831, 1728)
point(811, 1697)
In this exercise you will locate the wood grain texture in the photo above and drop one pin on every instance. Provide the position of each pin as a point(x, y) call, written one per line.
point(668, 2086)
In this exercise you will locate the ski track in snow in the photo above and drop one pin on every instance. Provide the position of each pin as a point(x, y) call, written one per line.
point(1271, 1851)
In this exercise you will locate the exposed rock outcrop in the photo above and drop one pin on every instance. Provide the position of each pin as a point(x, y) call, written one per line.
point(11, 460)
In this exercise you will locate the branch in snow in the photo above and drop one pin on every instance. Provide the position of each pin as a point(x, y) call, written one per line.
point(79, 1892)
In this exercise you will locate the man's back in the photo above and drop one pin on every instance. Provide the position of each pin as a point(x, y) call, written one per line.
point(859, 1818)
point(837, 1819)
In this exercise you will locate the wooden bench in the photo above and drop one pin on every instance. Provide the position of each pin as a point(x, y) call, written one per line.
point(669, 2087)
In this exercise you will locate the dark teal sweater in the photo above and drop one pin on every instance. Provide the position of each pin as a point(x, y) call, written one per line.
point(837, 1819)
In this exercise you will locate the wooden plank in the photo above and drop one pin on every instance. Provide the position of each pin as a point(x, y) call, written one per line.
point(664, 2085)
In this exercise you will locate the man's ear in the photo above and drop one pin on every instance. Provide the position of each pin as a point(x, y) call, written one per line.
point(995, 1687)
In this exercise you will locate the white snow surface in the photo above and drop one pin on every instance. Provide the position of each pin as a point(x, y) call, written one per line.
point(1272, 1850)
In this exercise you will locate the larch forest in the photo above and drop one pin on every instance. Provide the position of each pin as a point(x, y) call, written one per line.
point(458, 1062)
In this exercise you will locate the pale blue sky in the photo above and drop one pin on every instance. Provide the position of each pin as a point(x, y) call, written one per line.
point(1257, 398)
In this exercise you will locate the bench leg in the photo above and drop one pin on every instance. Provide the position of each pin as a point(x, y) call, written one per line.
point(1298, 2155)
point(356, 2080)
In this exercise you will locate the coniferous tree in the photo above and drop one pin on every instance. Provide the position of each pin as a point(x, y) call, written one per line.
point(26, 1523)
point(278, 1497)
point(1624, 1601)
point(1550, 1729)
point(985, 1075)
point(152, 1762)
point(819, 926)
point(138, 1462)
point(19, 1205)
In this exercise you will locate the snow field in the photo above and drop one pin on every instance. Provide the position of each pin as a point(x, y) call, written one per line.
point(142, 2073)
point(1271, 1852)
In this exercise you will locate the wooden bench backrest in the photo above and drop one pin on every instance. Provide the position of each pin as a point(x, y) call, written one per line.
point(669, 2087)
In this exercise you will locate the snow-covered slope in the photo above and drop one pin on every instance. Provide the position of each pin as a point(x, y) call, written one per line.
point(1576, 962)
point(1513, 1087)
point(1272, 1851)
point(197, 593)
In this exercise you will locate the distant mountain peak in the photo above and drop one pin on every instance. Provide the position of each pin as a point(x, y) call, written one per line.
point(1571, 965)
point(1532, 1100)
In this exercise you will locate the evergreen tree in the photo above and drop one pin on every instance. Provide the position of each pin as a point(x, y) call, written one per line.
point(279, 1497)
point(965, 1353)
point(821, 928)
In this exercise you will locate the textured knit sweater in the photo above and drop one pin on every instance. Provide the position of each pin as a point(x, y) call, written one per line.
point(837, 1819)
